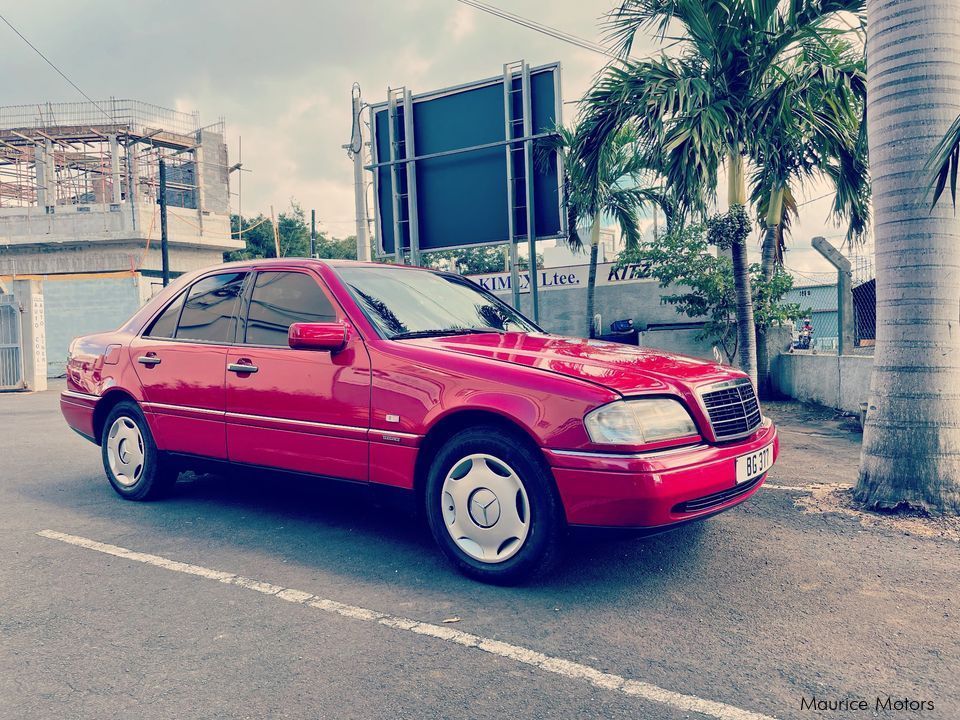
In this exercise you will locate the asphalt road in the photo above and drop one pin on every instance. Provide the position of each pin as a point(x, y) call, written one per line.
point(746, 613)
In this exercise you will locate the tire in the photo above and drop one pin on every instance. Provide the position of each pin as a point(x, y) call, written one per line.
point(485, 538)
point(133, 464)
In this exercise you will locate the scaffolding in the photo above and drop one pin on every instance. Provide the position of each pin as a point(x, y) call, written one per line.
point(107, 152)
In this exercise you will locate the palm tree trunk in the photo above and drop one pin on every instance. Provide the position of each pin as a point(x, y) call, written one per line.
point(746, 335)
point(768, 265)
point(768, 260)
point(911, 441)
point(592, 276)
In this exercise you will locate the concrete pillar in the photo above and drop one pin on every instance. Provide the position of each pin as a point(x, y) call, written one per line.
point(115, 169)
point(51, 175)
point(845, 334)
point(29, 294)
point(40, 164)
point(198, 170)
point(132, 182)
point(845, 321)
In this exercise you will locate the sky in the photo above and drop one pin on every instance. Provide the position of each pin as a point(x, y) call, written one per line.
point(280, 75)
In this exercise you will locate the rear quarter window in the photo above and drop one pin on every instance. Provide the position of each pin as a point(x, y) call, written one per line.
point(165, 326)
point(210, 310)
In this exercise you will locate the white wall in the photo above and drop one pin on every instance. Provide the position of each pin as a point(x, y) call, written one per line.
point(841, 382)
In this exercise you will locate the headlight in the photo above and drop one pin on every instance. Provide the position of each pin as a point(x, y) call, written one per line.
point(638, 422)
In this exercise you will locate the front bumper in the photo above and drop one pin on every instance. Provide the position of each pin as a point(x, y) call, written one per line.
point(655, 490)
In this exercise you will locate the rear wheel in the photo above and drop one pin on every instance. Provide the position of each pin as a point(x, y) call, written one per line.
point(492, 506)
point(130, 456)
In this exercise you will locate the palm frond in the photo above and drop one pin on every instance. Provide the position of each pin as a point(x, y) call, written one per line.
point(944, 164)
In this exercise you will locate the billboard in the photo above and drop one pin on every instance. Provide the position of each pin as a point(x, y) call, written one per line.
point(450, 168)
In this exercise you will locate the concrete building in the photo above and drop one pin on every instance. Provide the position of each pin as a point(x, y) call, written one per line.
point(79, 186)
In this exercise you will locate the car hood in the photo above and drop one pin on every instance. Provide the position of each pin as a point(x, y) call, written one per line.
point(623, 368)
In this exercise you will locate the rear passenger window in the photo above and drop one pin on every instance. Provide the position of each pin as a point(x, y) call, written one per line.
point(210, 310)
point(280, 299)
point(165, 326)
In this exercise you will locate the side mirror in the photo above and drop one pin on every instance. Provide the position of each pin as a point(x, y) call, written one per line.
point(330, 336)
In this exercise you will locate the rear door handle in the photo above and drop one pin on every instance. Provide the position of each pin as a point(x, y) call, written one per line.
point(148, 360)
point(242, 368)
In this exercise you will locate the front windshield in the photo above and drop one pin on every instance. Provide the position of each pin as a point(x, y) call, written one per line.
point(409, 303)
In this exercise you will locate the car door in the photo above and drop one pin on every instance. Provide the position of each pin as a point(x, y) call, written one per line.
point(180, 360)
point(301, 410)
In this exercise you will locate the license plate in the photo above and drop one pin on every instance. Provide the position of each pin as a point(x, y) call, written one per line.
point(754, 464)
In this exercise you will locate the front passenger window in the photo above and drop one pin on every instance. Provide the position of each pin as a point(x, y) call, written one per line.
point(280, 299)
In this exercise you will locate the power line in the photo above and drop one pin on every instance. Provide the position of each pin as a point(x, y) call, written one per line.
point(813, 200)
point(541, 28)
point(58, 70)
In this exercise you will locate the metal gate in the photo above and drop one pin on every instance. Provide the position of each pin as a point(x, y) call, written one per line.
point(11, 348)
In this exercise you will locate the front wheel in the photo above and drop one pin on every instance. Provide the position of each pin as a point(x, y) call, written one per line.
point(492, 506)
point(130, 456)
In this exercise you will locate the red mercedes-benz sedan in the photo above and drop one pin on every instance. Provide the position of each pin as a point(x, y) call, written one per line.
point(420, 380)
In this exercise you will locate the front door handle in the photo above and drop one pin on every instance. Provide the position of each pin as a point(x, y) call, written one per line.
point(242, 367)
point(148, 360)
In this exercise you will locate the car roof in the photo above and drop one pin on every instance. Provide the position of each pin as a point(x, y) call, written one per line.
point(313, 262)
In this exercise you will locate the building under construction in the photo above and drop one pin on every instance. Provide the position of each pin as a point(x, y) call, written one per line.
point(79, 213)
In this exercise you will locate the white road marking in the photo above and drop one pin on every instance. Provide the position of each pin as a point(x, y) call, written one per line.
point(797, 488)
point(548, 663)
point(804, 488)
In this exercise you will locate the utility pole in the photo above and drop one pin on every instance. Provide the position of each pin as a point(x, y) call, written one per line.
point(355, 150)
point(276, 233)
point(164, 250)
point(313, 233)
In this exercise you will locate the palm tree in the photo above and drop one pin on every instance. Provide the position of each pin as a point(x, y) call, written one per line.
point(699, 104)
point(911, 440)
point(620, 188)
point(813, 116)
point(812, 113)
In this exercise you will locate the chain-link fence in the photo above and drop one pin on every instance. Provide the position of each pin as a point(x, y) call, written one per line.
point(864, 316)
point(816, 294)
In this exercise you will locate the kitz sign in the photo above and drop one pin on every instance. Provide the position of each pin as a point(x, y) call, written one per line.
point(566, 277)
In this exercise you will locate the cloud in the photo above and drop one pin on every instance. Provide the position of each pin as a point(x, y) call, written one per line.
point(462, 22)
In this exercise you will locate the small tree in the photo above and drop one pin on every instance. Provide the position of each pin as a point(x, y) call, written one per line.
point(336, 248)
point(621, 184)
point(705, 286)
point(466, 261)
point(294, 237)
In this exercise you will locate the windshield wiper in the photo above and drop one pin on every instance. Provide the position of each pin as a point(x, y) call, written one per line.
point(440, 332)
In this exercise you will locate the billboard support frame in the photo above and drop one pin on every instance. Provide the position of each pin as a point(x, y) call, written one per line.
point(409, 149)
point(511, 192)
point(403, 158)
point(394, 178)
point(528, 184)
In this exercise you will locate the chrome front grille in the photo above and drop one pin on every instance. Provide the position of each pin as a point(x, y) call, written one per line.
point(732, 408)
